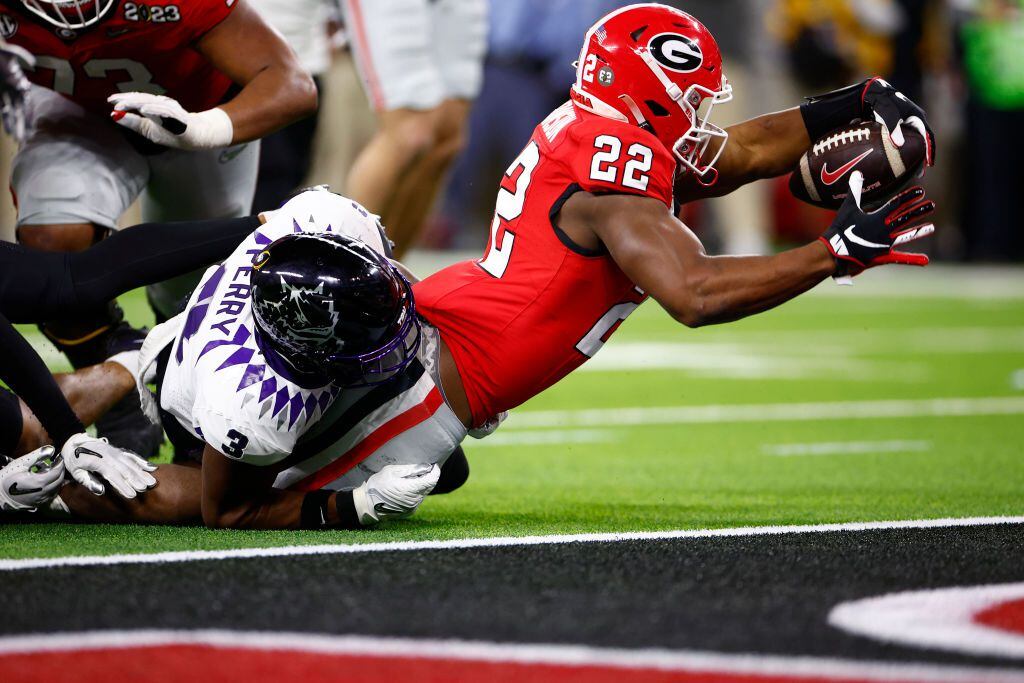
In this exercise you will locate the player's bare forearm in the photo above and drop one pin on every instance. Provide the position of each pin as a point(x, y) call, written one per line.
point(90, 392)
point(174, 500)
point(276, 90)
point(763, 147)
point(240, 496)
point(728, 288)
point(665, 259)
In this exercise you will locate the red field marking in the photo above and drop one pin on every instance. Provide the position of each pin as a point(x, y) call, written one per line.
point(213, 664)
point(1006, 616)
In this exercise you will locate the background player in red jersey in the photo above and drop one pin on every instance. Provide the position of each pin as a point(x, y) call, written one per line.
point(584, 228)
point(131, 98)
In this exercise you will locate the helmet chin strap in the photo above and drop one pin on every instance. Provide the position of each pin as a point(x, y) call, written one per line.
point(641, 120)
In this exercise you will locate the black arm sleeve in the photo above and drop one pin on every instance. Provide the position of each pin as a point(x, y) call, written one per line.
point(36, 286)
point(24, 372)
point(150, 253)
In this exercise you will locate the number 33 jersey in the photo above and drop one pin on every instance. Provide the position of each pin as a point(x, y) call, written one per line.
point(140, 46)
point(537, 305)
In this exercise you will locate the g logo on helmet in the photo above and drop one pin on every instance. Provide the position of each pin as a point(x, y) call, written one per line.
point(676, 52)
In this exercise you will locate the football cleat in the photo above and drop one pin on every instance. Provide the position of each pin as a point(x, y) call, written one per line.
point(31, 481)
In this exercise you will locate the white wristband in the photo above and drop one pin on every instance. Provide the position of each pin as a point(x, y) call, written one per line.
point(210, 129)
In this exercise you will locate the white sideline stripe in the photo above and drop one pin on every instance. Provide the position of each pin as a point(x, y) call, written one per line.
point(767, 412)
point(493, 542)
point(940, 618)
point(543, 654)
point(784, 450)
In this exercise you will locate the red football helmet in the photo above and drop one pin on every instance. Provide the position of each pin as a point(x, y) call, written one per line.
point(70, 14)
point(659, 68)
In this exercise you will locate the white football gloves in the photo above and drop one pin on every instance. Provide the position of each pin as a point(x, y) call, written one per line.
point(396, 491)
point(89, 460)
point(165, 122)
point(31, 481)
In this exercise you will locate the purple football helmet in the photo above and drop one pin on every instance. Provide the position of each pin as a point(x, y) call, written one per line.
point(333, 307)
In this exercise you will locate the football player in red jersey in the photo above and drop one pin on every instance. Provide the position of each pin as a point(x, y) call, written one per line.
point(584, 229)
point(162, 100)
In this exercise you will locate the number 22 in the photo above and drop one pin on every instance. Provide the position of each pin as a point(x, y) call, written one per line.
point(603, 166)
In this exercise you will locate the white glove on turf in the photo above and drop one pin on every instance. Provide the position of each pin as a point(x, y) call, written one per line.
point(89, 459)
point(396, 491)
point(30, 481)
point(165, 122)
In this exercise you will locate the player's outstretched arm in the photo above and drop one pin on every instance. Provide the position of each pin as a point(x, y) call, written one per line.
point(665, 259)
point(771, 145)
point(763, 147)
point(276, 90)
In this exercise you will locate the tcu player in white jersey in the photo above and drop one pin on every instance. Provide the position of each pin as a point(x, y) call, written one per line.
point(302, 373)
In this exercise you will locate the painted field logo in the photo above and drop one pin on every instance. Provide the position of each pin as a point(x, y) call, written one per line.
point(983, 620)
point(676, 52)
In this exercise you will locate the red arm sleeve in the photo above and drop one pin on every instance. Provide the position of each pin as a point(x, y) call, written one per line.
point(613, 157)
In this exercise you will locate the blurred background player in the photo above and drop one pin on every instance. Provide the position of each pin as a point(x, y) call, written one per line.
point(286, 155)
point(190, 101)
point(422, 64)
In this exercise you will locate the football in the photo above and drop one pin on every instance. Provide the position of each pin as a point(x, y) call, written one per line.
point(822, 176)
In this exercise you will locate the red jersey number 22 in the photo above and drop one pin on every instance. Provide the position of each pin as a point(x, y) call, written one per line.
point(511, 197)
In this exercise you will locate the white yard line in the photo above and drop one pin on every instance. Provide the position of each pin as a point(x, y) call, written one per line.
point(767, 412)
point(538, 654)
point(784, 450)
point(522, 438)
point(492, 542)
point(733, 358)
point(973, 339)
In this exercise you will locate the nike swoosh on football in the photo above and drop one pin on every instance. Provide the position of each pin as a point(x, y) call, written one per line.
point(850, 235)
point(831, 177)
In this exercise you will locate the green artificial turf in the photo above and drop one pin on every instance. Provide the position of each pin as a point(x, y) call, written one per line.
point(828, 346)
